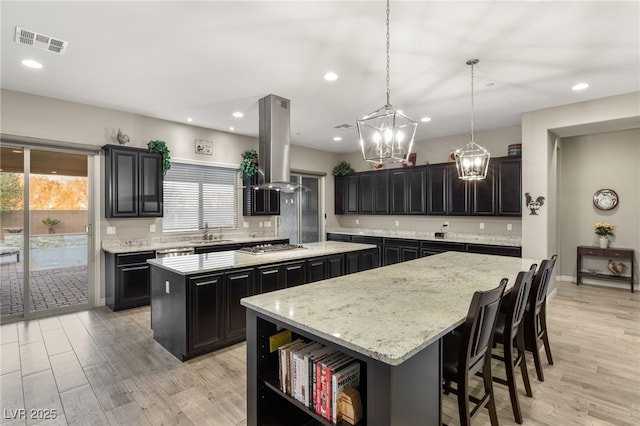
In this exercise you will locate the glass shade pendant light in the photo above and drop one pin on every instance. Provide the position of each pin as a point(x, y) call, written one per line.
point(472, 160)
point(386, 135)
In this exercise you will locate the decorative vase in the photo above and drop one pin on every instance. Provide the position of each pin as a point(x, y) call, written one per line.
point(604, 242)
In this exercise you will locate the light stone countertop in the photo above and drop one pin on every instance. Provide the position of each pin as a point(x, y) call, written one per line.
point(220, 261)
point(390, 313)
point(131, 246)
point(453, 237)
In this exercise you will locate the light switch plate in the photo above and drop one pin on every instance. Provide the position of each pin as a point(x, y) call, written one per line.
point(481, 225)
point(166, 287)
point(509, 227)
point(152, 228)
point(111, 230)
point(245, 224)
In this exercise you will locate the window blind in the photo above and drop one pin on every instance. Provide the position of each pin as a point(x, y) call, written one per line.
point(196, 194)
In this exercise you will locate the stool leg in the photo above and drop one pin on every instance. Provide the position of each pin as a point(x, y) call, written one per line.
point(547, 347)
point(511, 383)
point(523, 364)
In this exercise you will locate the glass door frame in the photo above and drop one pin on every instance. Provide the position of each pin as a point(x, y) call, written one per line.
point(27, 146)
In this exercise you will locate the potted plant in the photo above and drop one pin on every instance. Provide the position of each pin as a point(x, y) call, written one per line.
point(342, 169)
point(604, 230)
point(160, 147)
point(249, 164)
point(51, 224)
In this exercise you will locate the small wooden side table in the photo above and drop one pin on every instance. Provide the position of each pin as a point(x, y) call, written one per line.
point(615, 254)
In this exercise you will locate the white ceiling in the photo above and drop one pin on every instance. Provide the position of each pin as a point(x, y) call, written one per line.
point(205, 60)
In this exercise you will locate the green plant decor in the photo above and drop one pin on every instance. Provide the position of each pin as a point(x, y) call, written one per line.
point(342, 169)
point(249, 164)
point(51, 224)
point(160, 147)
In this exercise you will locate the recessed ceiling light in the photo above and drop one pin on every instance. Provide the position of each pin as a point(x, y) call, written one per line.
point(32, 63)
point(238, 114)
point(17, 151)
point(337, 138)
point(331, 76)
point(425, 119)
point(189, 119)
point(580, 86)
point(232, 128)
point(54, 172)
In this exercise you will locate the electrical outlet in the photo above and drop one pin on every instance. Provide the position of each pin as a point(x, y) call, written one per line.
point(111, 230)
point(267, 224)
point(245, 224)
point(397, 223)
point(152, 228)
point(509, 227)
point(481, 225)
point(260, 224)
point(166, 287)
point(357, 221)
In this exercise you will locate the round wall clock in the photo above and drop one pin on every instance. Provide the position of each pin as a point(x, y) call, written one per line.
point(605, 199)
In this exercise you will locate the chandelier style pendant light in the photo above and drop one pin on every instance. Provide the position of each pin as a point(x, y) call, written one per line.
point(472, 160)
point(386, 135)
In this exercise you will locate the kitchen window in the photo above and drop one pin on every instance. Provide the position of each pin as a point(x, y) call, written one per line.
point(196, 194)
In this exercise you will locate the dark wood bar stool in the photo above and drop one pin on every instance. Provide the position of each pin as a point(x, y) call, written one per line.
point(467, 351)
point(535, 319)
point(509, 332)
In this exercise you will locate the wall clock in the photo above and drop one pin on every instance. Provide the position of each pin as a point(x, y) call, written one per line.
point(605, 199)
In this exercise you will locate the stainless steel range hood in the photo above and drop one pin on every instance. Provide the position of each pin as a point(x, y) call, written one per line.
point(274, 142)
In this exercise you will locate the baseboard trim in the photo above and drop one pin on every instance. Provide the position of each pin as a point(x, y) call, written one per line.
point(101, 302)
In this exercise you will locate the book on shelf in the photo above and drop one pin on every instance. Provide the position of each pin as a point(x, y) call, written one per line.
point(320, 398)
point(284, 364)
point(301, 371)
point(329, 370)
point(279, 339)
point(309, 359)
point(346, 377)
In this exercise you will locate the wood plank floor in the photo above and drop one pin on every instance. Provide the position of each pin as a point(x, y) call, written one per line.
point(98, 367)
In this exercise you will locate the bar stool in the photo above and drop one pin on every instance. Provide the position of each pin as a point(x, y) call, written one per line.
point(535, 319)
point(509, 331)
point(467, 351)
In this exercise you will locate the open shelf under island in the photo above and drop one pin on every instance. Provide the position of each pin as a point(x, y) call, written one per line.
point(391, 319)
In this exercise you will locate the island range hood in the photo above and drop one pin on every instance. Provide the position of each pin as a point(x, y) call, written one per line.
point(274, 142)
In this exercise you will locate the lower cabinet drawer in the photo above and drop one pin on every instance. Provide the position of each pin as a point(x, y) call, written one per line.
point(620, 254)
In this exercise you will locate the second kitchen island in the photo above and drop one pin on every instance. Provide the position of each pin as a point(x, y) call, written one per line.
point(195, 300)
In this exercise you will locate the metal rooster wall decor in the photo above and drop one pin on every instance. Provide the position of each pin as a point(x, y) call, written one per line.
point(534, 206)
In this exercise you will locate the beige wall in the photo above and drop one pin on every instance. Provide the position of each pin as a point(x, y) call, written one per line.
point(540, 131)
point(588, 163)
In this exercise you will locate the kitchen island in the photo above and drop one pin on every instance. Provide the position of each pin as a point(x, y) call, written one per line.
point(195, 299)
point(391, 319)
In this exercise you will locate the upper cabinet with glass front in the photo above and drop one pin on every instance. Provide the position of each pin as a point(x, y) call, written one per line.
point(133, 179)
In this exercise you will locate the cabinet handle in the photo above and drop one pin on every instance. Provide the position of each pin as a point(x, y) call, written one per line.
point(135, 268)
point(242, 276)
point(206, 283)
point(269, 272)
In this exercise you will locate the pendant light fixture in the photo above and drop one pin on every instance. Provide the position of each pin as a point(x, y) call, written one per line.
point(472, 160)
point(386, 135)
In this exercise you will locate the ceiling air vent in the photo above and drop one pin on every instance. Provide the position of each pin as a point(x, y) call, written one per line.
point(344, 127)
point(41, 41)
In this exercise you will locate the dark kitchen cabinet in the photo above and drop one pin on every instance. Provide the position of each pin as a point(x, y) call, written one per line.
point(127, 279)
point(269, 278)
point(458, 195)
point(259, 202)
point(437, 189)
point(509, 186)
point(239, 285)
point(335, 266)
point(207, 313)
point(373, 191)
point(346, 194)
point(497, 250)
point(360, 261)
point(399, 250)
point(429, 248)
point(133, 179)
point(416, 193)
point(316, 270)
point(365, 239)
point(483, 193)
point(295, 273)
point(398, 189)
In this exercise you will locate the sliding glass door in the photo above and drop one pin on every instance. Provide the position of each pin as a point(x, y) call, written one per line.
point(45, 232)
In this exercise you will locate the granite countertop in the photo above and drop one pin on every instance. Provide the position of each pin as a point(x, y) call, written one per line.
point(209, 262)
point(498, 240)
point(117, 246)
point(390, 313)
